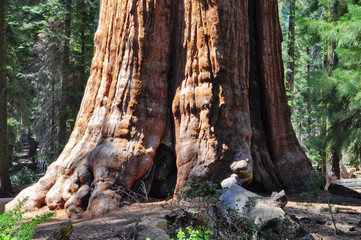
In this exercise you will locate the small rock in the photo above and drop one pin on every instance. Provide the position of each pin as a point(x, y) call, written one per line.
point(263, 212)
point(279, 199)
point(345, 227)
point(63, 232)
point(258, 208)
point(228, 182)
point(320, 221)
point(153, 228)
point(236, 197)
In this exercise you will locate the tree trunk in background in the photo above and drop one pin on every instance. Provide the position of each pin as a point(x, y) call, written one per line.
point(330, 62)
point(290, 75)
point(5, 185)
point(66, 84)
point(335, 157)
point(53, 130)
point(194, 83)
point(289, 159)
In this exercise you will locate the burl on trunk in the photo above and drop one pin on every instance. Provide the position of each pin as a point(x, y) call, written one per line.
point(178, 89)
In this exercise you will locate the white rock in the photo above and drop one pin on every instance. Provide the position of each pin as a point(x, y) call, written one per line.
point(153, 228)
point(228, 182)
point(247, 203)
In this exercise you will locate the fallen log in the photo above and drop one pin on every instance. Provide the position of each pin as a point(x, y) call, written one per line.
point(351, 180)
point(347, 212)
point(343, 191)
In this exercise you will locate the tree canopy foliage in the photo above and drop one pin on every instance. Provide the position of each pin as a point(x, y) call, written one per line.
point(37, 39)
point(327, 92)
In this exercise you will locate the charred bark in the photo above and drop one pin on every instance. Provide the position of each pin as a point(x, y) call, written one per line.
point(194, 83)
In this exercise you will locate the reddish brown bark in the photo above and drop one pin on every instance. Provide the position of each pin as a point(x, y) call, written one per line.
point(287, 155)
point(196, 83)
point(210, 107)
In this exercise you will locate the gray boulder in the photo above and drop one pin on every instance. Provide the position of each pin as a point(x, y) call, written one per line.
point(246, 203)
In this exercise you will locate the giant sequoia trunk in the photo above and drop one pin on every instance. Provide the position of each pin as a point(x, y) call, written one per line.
point(194, 83)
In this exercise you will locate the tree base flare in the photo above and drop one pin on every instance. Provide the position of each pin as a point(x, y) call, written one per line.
point(178, 90)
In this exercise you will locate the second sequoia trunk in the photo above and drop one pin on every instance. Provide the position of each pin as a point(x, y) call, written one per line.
point(178, 89)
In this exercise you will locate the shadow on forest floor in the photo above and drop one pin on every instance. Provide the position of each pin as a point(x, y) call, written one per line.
point(313, 215)
point(323, 197)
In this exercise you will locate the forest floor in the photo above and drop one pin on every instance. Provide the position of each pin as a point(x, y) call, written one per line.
point(312, 214)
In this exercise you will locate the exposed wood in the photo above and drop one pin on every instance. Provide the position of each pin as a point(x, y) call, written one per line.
point(356, 184)
point(353, 182)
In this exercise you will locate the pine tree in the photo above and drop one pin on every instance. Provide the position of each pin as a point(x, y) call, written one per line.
point(37, 71)
point(332, 80)
point(5, 185)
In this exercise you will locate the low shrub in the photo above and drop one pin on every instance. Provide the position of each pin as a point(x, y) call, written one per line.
point(23, 177)
point(190, 233)
point(14, 226)
point(316, 183)
point(198, 216)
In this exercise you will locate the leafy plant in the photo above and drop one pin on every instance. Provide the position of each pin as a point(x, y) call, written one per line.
point(324, 210)
point(315, 184)
point(190, 233)
point(14, 226)
point(202, 219)
point(22, 177)
point(199, 188)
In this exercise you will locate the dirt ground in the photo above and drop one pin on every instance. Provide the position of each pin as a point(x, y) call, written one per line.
point(312, 214)
point(104, 227)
